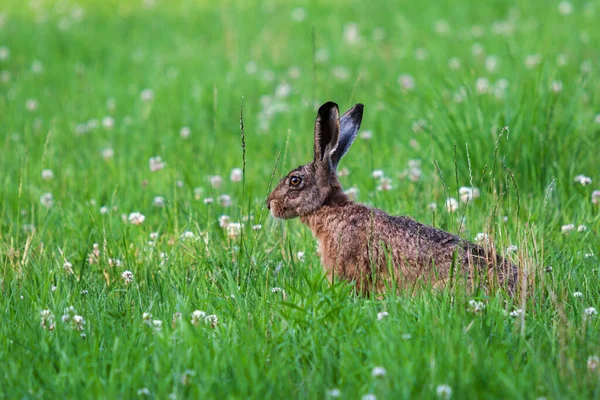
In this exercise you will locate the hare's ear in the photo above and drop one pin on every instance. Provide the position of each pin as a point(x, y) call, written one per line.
point(327, 132)
point(349, 126)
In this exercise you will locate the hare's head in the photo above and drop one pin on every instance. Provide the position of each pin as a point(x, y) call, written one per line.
point(310, 186)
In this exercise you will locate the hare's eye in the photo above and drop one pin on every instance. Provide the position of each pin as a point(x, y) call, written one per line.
point(295, 180)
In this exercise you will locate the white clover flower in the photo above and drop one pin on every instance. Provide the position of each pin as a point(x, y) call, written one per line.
point(215, 181)
point(92, 124)
point(224, 221)
point(176, 318)
point(111, 104)
point(211, 320)
point(567, 228)
point(108, 122)
point(322, 56)
point(378, 372)
point(443, 392)
point(340, 72)
point(294, 72)
point(369, 396)
point(47, 174)
point(147, 318)
point(187, 235)
point(186, 377)
point(476, 306)
point(136, 218)
point(153, 235)
point(556, 86)
point(197, 315)
point(432, 206)
point(47, 320)
point(236, 175)
point(596, 197)
point(597, 119)
point(589, 255)
point(234, 229)
point(583, 180)
point(441, 26)
point(406, 82)
point(143, 392)
point(68, 267)
point(94, 256)
point(382, 315)
point(158, 201)
point(592, 363)
point(491, 63)
point(198, 192)
point(366, 135)
point(454, 63)
point(516, 313)
point(208, 200)
point(104, 210)
point(352, 193)
point(533, 60)
point(256, 227)
point(385, 184)
point(468, 194)
point(334, 392)
point(482, 85)
point(577, 294)
point(565, 7)
point(581, 228)
point(377, 174)
point(127, 277)
point(78, 322)
point(147, 95)
point(589, 312)
point(451, 205)
point(406, 336)
point(512, 249)
point(114, 262)
point(108, 153)
point(185, 132)
point(300, 255)
point(481, 237)
point(31, 104)
point(4, 53)
point(283, 90)
point(298, 14)
point(156, 164)
point(157, 324)
point(47, 200)
point(351, 33)
point(477, 49)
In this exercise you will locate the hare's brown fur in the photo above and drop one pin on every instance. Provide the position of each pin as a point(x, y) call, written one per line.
point(364, 244)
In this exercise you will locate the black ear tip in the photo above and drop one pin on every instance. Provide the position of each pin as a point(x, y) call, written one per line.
point(359, 108)
point(356, 112)
point(327, 108)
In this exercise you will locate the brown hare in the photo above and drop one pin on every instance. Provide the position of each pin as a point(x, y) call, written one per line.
point(364, 244)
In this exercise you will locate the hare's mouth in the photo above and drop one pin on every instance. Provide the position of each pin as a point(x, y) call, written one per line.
point(279, 211)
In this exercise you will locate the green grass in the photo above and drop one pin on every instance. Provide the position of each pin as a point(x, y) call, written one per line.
point(200, 59)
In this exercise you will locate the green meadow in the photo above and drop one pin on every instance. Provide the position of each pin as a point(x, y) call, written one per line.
point(138, 259)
